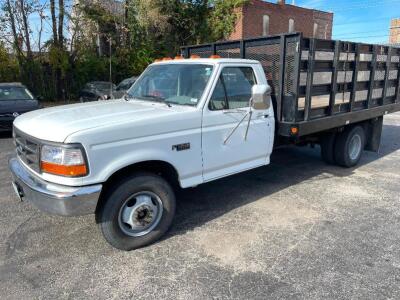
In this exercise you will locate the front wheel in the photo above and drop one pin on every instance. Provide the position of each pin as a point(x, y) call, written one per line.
point(137, 212)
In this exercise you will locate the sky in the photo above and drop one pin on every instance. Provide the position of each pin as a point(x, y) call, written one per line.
point(358, 20)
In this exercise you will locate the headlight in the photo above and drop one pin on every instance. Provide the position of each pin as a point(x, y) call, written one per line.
point(64, 161)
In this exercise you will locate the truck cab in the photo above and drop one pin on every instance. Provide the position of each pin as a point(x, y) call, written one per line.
point(184, 122)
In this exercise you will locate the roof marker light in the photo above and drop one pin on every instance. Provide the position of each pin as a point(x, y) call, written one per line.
point(215, 56)
point(194, 56)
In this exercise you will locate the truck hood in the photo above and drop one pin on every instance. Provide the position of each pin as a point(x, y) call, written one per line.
point(57, 123)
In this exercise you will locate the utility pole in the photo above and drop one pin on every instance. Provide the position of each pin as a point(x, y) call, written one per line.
point(111, 84)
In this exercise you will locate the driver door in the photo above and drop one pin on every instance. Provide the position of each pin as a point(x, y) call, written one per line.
point(227, 150)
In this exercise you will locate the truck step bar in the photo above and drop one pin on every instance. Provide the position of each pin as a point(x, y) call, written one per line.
point(319, 84)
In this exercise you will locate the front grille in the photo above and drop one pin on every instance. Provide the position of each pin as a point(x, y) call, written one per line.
point(27, 150)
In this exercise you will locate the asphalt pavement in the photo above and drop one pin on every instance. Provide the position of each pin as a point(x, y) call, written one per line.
point(297, 229)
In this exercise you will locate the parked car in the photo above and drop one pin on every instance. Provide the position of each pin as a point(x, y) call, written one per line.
point(97, 90)
point(15, 99)
point(123, 87)
point(187, 122)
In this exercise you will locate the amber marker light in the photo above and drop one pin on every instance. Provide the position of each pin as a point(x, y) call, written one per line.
point(194, 56)
point(215, 56)
point(69, 171)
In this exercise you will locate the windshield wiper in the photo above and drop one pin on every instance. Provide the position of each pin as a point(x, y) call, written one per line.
point(156, 98)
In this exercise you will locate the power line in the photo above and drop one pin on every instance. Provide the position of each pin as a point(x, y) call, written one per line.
point(362, 5)
point(376, 20)
point(360, 2)
point(360, 32)
point(368, 36)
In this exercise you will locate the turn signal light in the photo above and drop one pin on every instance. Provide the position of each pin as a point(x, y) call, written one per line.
point(294, 130)
point(70, 171)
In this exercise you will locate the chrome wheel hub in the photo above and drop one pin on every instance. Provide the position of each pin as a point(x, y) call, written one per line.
point(140, 214)
point(355, 147)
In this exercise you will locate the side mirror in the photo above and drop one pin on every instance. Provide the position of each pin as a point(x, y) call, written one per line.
point(261, 96)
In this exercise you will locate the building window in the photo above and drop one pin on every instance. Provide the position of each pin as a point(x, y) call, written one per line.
point(326, 31)
point(291, 25)
point(315, 30)
point(265, 25)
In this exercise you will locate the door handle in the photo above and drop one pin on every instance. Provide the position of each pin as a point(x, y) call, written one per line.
point(262, 115)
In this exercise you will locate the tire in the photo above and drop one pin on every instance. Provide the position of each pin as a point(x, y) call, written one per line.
point(111, 215)
point(345, 153)
point(327, 143)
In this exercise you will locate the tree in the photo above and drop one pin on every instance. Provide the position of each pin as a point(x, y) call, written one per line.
point(9, 70)
point(223, 17)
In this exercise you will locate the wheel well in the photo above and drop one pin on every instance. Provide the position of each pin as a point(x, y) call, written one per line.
point(161, 168)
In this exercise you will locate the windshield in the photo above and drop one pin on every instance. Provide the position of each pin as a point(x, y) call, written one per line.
point(181, 84)
point(14, 93)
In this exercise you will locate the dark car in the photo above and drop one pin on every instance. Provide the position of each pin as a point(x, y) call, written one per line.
point(97, 90)
point(124, 86)
point(15, 99)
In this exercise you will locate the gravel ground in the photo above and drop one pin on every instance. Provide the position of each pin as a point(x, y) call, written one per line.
point(295, 229)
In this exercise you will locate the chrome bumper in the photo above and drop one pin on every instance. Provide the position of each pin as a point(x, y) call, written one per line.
point(53, 198)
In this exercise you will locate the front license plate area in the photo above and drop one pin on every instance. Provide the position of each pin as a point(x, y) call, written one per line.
point(17, 191)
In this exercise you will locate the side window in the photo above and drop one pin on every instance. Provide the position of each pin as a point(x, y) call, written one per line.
point(233, 89)
point(218, 98)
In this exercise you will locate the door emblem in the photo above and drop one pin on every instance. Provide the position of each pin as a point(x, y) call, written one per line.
point(181, 147)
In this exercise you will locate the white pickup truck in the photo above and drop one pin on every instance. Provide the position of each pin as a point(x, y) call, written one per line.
point(183, 123)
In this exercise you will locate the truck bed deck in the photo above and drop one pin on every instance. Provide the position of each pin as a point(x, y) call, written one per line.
point(318, 84)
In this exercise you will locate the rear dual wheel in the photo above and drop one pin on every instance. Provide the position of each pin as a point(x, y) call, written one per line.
point(345, 148)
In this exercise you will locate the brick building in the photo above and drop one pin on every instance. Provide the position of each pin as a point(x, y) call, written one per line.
point(395, 32)
point(260, 18)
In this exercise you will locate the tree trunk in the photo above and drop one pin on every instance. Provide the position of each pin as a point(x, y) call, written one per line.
point(54, 21)
point(25, 28)
point(16, 45)
point(61, 13)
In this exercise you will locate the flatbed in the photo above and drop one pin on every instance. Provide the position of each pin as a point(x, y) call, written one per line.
point(318, 85)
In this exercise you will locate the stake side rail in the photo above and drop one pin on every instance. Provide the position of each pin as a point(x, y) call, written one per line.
point(319, 84)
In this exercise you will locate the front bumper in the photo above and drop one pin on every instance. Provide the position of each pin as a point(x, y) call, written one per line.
point(53, 198)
